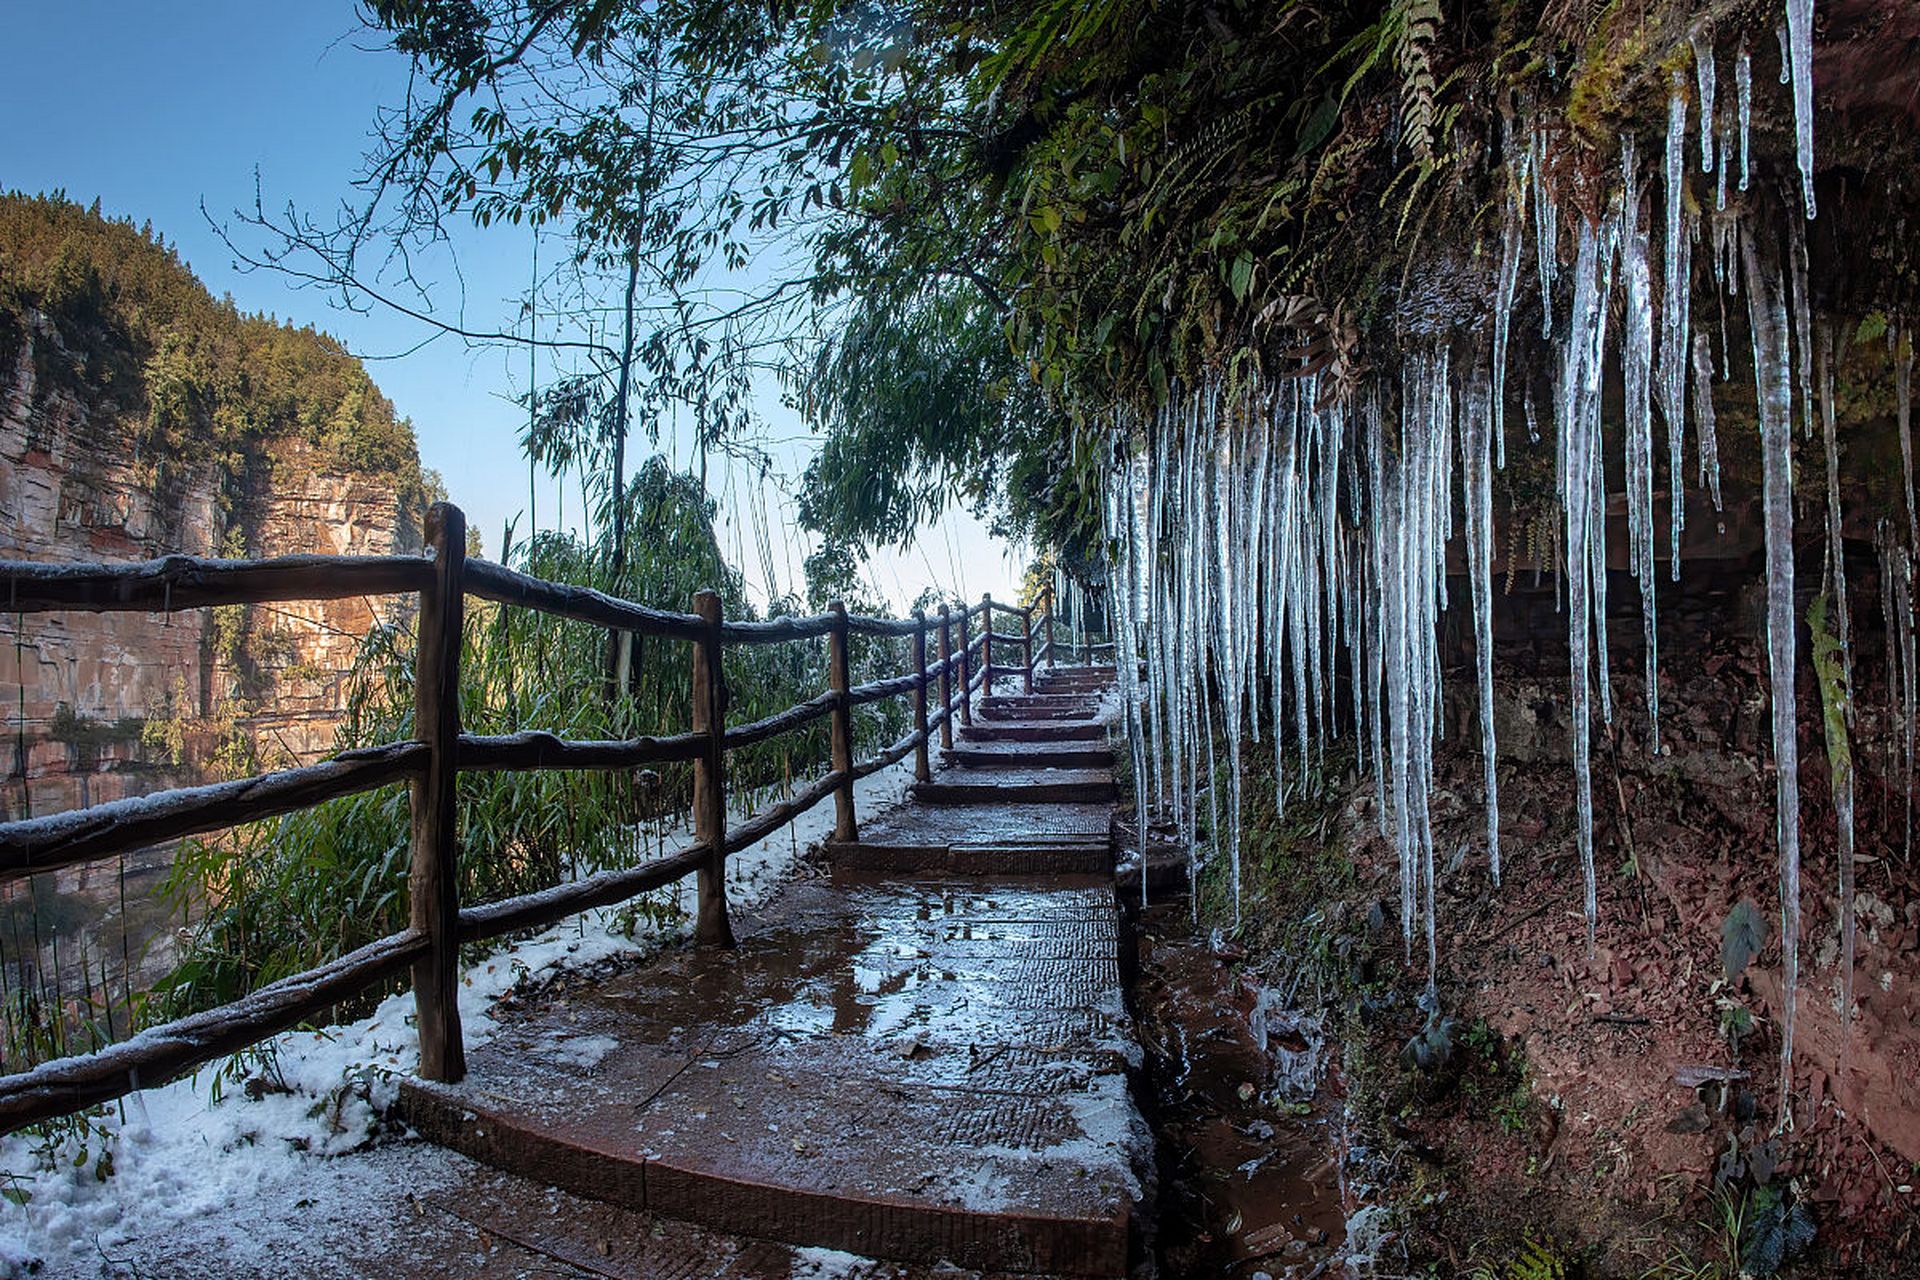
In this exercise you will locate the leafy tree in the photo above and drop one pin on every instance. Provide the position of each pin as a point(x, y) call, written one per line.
point(1125, 195)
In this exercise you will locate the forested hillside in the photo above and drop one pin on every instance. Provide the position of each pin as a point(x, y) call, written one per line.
point(109, 314)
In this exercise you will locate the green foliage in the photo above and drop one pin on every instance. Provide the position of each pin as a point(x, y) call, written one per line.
point(1017, 216)
point(1535, 1261)
point(1419, 26)
point(923, 402)
point(1830, 674)
point(1531, 1260)
point(1778, 1230)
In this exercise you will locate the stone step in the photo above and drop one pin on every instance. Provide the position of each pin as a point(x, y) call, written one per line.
point(927, 1073)
point(495, 1226)
point(1046, 755)
point(993, 860)
point(1007, 709)
point(1058, 731)
point(999, 839)
point(1015, 785)
point(1041, 699)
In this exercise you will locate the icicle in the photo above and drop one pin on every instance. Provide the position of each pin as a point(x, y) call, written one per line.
point(1636, 363)
point(1823, 349)
point(1773, 386)
point(1720, 179)
point(1800, 62)
point(1477, 495)
point(1896, 607)
point(1802, 323)
point(1904, 679)
point(1597, 584)
point(1903, 415)
point(1590, 399)
point(1743, 90)
point(1786, 51)
point(1396, 595)
point(1704, 69)
point(1377, 613)
point(1675, 304)
point(1910, 678)
point(1577, 400)
point(1512, 236)
point(1123, 533)
point(1546, 232)
point(1703, 416)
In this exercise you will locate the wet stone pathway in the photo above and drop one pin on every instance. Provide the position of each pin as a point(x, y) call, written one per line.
point(921, 1058)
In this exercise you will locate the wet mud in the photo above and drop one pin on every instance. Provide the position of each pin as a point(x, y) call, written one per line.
point(1248, 1135)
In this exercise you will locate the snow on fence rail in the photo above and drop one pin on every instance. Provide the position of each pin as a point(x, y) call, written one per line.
point(439, 752)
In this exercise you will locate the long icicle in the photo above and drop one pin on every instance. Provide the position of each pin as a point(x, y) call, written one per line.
point(1675, 303)
point(1477, 494)
point(1636, 362)
point(1773, 387)
point(1743, 95)
point(1902, 343)
point(1546, 230)
point(1578, 444)
point(1800, 49)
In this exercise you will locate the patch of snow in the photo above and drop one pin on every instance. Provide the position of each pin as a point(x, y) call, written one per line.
point(828, 1264)
point(201, 1151)
point(576, 1051)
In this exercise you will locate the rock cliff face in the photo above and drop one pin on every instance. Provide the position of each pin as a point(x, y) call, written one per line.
point(114, 704)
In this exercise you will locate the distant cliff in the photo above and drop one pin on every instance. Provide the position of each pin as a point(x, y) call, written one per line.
point(140, 416)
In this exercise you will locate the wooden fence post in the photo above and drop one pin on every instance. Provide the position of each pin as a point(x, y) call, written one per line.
point(1053, 603)
point(966, 670)
point(711, 926)
point(946, 677)
point(921, 771)
point(986, 643)
point(1026, 646)
point(435, 883)
point(845, 827)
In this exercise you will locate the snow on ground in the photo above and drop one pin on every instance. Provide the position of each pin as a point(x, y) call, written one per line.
point(205, 1150)
point(827, 1264)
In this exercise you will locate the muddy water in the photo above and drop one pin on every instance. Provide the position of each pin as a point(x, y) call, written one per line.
point(1249, 1150)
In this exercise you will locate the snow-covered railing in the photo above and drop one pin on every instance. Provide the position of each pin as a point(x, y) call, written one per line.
point(440, 751)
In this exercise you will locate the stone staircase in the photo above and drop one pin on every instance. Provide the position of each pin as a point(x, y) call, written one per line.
point(922, 1058)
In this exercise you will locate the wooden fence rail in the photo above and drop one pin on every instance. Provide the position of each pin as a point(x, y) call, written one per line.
point(440, 751)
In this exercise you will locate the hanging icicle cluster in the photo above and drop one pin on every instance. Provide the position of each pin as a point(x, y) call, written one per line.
point(1271, 530)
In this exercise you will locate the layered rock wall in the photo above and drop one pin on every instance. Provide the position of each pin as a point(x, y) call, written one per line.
point(106, 705)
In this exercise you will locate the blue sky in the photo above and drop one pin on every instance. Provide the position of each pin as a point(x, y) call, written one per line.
point(158, 109)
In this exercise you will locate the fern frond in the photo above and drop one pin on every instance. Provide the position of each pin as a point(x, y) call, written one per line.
point(1419, 89)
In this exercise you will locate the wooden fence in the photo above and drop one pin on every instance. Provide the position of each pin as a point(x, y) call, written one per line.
point(439, 751)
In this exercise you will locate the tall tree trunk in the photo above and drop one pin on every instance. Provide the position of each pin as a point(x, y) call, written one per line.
point(620, 643)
